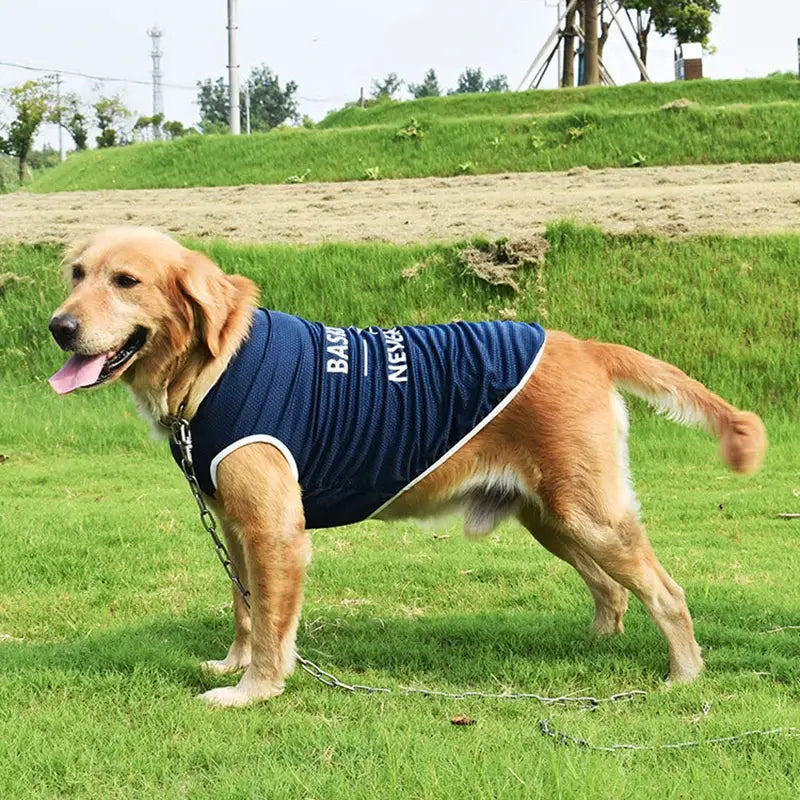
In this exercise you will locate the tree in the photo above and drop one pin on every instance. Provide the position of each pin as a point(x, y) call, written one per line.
point(469, 81)
point(387, 88)
point(428, 88)
point(72, 117)
point(270, 105)
point(112, 116)
point(69, 114)
point(687, 20)
point(32, 102)
point(176, 129)
point(154, 123)
point(212, 97)
point(499, 83)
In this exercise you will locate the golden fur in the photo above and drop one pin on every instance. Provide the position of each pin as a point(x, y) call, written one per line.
point(560, 445)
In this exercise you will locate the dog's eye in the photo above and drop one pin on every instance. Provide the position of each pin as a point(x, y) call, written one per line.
point(78, 273)
point(125, 281)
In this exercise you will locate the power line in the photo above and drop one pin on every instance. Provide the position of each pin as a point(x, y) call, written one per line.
point(102, 78)
point(144, 83)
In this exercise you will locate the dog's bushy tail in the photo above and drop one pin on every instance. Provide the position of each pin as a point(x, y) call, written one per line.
point(743, 438)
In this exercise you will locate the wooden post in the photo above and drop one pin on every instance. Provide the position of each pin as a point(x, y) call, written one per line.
point(362, 101)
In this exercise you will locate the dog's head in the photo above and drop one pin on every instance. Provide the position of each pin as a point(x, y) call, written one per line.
point(139, 303)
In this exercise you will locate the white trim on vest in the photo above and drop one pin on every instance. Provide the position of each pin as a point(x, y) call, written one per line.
point(480, 426)
point(284, 450)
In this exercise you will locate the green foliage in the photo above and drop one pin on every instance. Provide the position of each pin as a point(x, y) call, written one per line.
point(113, 118)
point(212, 97)
point(687, 20)
point(413, 130)
point(175, 129)
point(498, 83)
point(46, 158)
point(387, 88)
point(471, 81)
point(71, 115)
point(428, 88)
point(31, 102)
point(270, 103)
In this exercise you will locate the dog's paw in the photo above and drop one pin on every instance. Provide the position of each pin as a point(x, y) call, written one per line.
point(224, 666)
point(232, 696)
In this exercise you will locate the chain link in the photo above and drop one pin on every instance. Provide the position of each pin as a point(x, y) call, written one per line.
point(567, 739)
point(181, 435)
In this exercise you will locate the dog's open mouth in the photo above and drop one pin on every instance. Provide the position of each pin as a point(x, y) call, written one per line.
point(83, 371)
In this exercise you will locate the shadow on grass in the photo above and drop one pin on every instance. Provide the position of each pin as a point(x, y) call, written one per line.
point(444, 651)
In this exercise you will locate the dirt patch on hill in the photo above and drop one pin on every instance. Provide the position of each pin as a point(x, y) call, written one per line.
point(732, 198)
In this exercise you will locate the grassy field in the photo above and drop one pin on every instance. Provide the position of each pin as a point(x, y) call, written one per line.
point(108, 580)
point(643, 96)
point(417, 140)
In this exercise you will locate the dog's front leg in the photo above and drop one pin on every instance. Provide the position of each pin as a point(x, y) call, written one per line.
point(238, 656)
point(261, 498)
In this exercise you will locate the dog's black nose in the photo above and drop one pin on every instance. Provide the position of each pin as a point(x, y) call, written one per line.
point(64, 328)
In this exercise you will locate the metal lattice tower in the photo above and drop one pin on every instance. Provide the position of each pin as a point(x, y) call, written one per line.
point(158, 95)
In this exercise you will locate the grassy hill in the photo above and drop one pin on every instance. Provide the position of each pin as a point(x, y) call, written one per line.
point(746, 121)
point(631, 96)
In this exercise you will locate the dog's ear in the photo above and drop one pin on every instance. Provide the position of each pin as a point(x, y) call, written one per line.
point(217, 299)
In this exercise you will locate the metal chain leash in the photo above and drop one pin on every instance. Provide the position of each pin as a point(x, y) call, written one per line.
point(567, 739)
point(181, 434)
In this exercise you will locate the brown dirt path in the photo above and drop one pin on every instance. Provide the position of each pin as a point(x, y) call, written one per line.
point(733, 198)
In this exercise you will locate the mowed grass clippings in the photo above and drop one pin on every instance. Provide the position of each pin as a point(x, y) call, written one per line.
point(108, 578)
point(595, 138)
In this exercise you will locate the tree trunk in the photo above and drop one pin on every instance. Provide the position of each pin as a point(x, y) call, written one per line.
point(591, 65)
point(642, 32)
point(568, 69)
point(23, 159)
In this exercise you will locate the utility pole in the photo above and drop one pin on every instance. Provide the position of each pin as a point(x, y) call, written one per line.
point(158, 96)
point(234, 117)
point(60, 110)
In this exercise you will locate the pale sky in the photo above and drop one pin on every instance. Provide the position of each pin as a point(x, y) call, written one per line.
point(331, 49)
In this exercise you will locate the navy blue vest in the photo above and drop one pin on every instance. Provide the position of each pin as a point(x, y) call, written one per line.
point(360, 414)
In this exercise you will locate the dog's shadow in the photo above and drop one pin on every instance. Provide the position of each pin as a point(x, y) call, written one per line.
point(466, 650)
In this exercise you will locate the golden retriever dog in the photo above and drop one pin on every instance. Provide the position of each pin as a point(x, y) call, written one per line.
point(169, 323)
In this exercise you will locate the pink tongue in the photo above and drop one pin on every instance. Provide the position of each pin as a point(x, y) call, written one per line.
point(78, 371)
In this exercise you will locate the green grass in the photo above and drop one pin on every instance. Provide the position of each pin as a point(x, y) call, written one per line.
point(107, 576)
point(760, 132)
point(110, 580)
point(645, 96)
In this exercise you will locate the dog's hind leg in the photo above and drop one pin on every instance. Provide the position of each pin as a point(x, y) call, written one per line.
point(610, 598)
point(238, 656)
point(623, 551)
